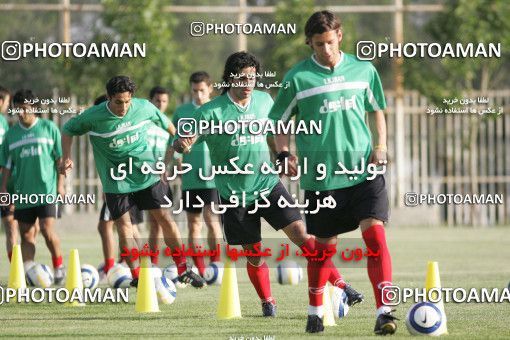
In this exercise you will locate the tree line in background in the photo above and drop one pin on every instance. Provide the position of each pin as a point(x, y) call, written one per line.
point(172, 53)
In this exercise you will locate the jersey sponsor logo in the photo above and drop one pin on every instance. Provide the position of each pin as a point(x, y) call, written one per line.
point(129, 139)
point(332, 80)
point(245, 140)
point(330, 106)
point(31, 151)
point(123, 125)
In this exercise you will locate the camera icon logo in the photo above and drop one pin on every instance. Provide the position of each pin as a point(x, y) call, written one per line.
point(11, 50)
point(187, 127)
point(411, 199)
point(197, 29)
point(391, 295)
point(365, 50)
point(5, 199)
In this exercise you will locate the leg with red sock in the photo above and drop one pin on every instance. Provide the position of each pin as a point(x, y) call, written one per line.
point(318, 274)
point(380, 274)
point(353, 296)
point(108, 264)
point(258, 272)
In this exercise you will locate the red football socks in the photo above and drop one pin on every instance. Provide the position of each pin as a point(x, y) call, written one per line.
point(135, 272)
point(379, 267)
point(108, 264)
point(57, 261)
point(200, 263)
point(318, 271)
point(259, 277)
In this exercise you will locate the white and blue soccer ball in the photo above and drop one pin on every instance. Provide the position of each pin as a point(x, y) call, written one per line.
point(165, 289)
point(156, 271)
point(289, 272)
point(425, 318)
point(170, 272)
point(119, 276)
point(102, 274)
point(339, 302)
point(214, 273)
point(89, 276)
point(40, 275)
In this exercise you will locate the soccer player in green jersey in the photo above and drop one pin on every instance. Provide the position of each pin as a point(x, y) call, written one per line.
point(105, 225)
point(30, 152)
point(240, 102)
point(194, 189)
point(7, 212)
point(338, 90)
point(118, 134)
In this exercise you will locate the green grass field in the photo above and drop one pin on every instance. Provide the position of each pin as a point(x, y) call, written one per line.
point(467, 258)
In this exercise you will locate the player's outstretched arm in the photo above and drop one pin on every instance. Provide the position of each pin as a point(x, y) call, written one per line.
point(183, 144)
point(171, 129)
point(65, 163)
point(6, 174)
point(379, 155)
point(61, 190)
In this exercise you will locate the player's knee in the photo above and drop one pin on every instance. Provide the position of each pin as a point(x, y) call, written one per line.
point(296, 231)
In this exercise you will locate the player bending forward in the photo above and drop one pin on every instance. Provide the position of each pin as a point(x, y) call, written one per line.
point(118, 134)
point(241, 102)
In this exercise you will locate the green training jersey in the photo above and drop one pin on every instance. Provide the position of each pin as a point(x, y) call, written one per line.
point(120, 144)
point(338, 98)
point(4, 126)
point(251, 149)
point(198, 157)
point(158, 140)
point(31, 154)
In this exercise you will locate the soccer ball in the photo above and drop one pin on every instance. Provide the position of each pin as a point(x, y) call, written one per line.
point(156, 272)
point(89, 276)
point(165, 289)
point(424, 318)
point(289, 273)
point(339, 302)
point(119, 276)
point(170, 272)
point(40, 275)
point(214, 273)
point(102, 274)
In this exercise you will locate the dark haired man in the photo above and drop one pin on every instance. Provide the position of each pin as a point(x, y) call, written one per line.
point(337, 89)
point(240, 102)
point(30, 153)
point(105, 224)
point(192, 185)
point(118, 134)
point(159, 96)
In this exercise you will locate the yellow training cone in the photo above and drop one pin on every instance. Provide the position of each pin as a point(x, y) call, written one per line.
point(146, 297)
point(229, 306)
point(16, 272)
point(74, 282)
point(329, 317)
point(433, 281)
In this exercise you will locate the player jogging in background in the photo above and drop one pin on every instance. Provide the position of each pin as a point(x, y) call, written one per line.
point(192, 185)
point(241, 102)
point(337, 89)
point(30, 152)
point(7, 212)
point(118, 134)
point(158, 140)
point(105, 224)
